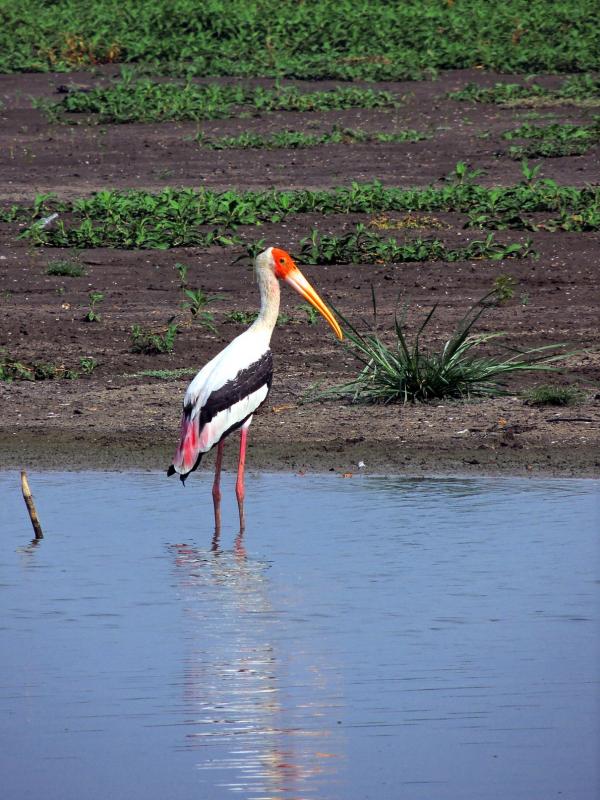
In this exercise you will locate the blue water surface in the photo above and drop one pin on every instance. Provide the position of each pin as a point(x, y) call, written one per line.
point(366, 638)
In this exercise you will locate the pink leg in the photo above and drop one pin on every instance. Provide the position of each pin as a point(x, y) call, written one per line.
point(216, 490)
point(239, 485)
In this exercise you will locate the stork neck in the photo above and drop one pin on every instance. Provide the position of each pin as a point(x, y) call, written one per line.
point(269, 301)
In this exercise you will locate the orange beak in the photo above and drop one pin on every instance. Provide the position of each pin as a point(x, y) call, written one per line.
point(298, 282)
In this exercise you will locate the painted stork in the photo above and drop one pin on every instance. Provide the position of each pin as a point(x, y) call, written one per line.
point(228, 390)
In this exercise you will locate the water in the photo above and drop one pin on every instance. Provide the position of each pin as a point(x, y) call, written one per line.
point(368, 638)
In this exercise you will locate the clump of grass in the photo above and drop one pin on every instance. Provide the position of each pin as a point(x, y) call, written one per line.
point(163, 374)
point(152, 342)
point(362, 246)
point(130, 100)
point(88, 364)
point(554, 396)
point(298, 139)
point(67, 269)
point(403, 373)
point(579, 90)
point(13, 370)
point(248, 317)
point(553, 141)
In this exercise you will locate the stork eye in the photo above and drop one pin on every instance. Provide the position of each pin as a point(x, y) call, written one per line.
point(282, 260)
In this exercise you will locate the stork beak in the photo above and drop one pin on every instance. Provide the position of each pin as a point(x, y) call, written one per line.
point(298, 282)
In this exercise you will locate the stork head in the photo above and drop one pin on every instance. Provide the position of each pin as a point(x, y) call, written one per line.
point(282, 265)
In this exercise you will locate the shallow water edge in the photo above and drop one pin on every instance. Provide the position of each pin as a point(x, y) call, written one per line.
point(116, 452)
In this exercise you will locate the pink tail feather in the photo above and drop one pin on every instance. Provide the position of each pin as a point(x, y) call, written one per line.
point(188, 450)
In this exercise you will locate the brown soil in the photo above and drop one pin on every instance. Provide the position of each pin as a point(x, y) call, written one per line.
point(114, 419)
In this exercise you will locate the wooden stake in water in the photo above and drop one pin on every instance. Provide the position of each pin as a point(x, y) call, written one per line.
point(27, 496)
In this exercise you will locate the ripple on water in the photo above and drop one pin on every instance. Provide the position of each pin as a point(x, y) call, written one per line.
point(435, 635)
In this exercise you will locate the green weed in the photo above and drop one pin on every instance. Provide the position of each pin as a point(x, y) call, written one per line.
point(579, 90)
point(196, 301)
point(312, 315)
point(95, 298)
point(248, 317)
point(174, 218)
point(151, 342)
point(87, 365)
point(13, 370)
point(338, 39)
point(163, 374)
point(402, 373)
point(554, 396)
point(130, 100)
point(65, 268)
point(182, 271)
point(298, 139)
point(362, 246)
point(553, 141)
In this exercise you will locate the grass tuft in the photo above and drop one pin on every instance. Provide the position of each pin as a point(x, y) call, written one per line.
point(554, 396)
point(67, 269)
point(153, 342)
point(403, 373)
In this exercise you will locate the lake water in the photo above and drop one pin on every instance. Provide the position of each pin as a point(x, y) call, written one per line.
point(368, 638)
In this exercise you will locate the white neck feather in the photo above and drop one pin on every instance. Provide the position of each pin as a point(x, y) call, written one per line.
point(268, 286)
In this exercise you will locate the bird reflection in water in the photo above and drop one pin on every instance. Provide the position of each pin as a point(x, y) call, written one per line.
point(259, 716)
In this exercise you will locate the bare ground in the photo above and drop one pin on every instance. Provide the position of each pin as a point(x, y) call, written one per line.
point(117, 418)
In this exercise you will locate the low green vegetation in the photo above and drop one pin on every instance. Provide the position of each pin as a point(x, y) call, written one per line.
point(553, 141)
point(196, 301)
point(248, 317)
point(67, 269)
point(12, 369)
point(151, 342)
point(92, 315)
point(175, 218)
point(554, 396)
point(402, 372)
point(298, 139)
point(339, 39)
point(362, 246)
point(163, 374)
point(130, 100)
point(578, 90)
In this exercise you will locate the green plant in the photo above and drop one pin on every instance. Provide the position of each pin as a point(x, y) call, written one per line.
point(312, 315)
point(241, 317)
point(163, 374)
point(362, 246)
point(175, 218)
point(196, 300)
point(554, 396)
point(298, 139)
point(462, 175)
point(65, 268)
point(504, 288)
point(153, 342)
point(581, 90)
point(130, 100)
point(331, 39)
point(13, 370)
point(553, 141)
point(248, 317)
point(87, 365)
point(405, 373)
point(95, 298)
point(182, 270)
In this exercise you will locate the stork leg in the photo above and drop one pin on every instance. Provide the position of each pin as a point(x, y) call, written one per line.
point(216, 490)
point(239, 484)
